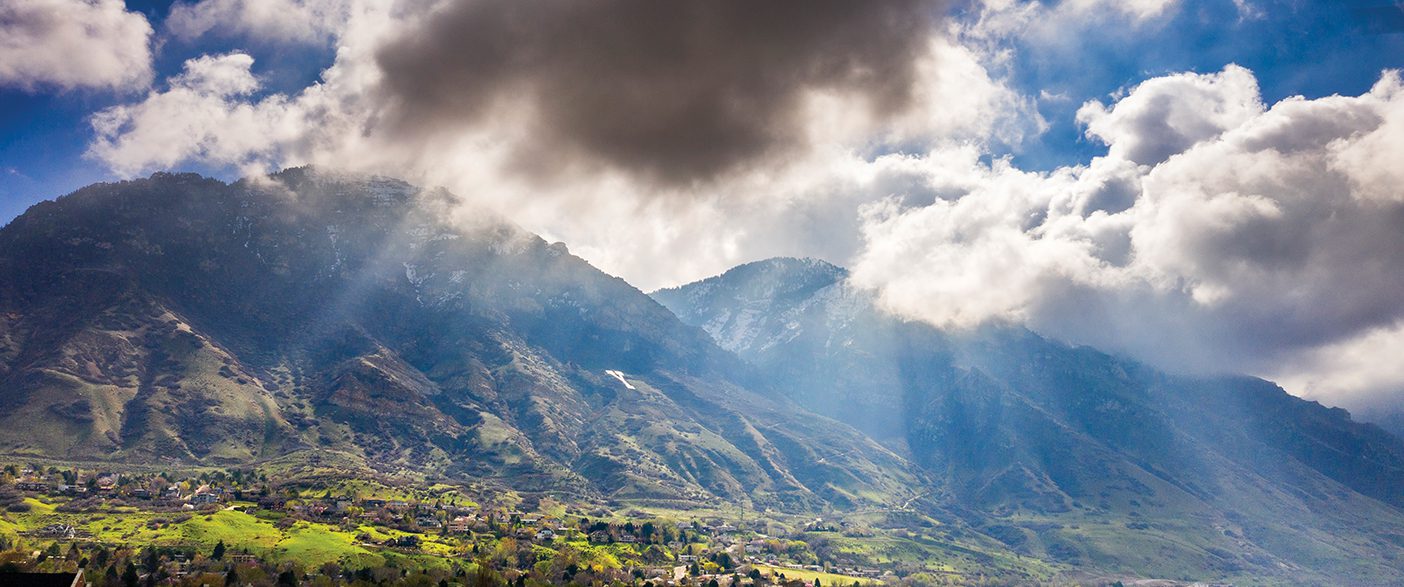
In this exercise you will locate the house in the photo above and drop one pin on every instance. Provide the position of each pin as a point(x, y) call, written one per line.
point(687, 558)
point(410, 541)
point(459, 525)
point(428, 522)
point(242, 558)
point(628, 539)
point(545, 535)
point(60, 531)
point(107, 482)
point(204, 498)
point(599, 536)
point(373, 504)
point(172, 492)
point(141, 493)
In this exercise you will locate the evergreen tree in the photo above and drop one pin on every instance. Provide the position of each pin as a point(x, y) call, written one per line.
point(218, 553)
point(232, 577)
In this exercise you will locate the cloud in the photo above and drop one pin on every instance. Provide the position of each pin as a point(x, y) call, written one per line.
point(201, 116)
point(625, 213)
point(288, 21)
point(675, 92)
point(69, 44)
point(1058, 24)
point(1167, 115)
point(1216, 234)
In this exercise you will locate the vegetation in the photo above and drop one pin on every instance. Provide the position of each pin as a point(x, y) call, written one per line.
point(246, 527)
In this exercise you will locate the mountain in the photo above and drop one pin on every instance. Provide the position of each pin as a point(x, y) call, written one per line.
point(182, 319)
point(1071, 454)
point(366, 322)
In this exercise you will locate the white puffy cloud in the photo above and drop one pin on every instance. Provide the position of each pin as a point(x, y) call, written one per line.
point(1216, 235)
point(69, 44)
point(201, 116)
point(298, 21)
point(1167, 115)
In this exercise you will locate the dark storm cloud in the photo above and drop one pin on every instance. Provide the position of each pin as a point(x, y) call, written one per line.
point(669, 91)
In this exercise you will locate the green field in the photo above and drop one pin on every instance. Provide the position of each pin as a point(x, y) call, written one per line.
point(810, 576)
point(306, 543)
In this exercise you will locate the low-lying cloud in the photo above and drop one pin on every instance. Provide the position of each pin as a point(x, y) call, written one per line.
point(1218, 234)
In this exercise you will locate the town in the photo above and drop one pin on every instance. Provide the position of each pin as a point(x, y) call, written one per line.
point(239, 527)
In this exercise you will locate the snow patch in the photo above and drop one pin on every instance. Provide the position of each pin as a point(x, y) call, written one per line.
point(620, 377)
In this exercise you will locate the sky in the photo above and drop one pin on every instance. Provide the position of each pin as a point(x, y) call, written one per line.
point(1206, 185)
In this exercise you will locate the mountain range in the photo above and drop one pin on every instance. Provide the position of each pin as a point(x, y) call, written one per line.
point(180, 319)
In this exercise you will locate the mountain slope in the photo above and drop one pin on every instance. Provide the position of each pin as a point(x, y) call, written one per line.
point(180, 318)
point(1070, 453)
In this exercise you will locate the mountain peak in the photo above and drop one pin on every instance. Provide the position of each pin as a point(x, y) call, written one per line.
point(766, 279)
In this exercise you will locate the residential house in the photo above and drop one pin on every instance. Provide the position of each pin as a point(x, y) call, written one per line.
point(60, 531)
point(107, 482)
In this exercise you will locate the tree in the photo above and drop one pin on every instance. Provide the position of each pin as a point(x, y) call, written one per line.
point(129, 576)
point(231, 578)
point(218, 553)
point(485, 577)
point(287, 578)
